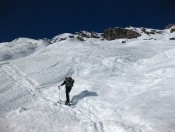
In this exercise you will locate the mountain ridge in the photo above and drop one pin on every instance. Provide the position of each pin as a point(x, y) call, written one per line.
point(83, 35)
point(123, 85)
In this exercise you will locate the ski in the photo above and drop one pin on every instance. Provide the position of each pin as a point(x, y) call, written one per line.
point(63, 102)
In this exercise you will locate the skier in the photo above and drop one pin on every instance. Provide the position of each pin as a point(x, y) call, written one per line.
point(68, 82)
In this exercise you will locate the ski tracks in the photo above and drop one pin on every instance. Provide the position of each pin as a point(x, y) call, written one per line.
point(92, 120)
point(19, 78)
point(88, 119)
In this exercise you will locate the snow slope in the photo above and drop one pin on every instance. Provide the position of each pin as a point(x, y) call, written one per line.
point(18, 48)
point(118, 87)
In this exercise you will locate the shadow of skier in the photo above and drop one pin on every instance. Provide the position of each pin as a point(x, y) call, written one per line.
point(75, 99)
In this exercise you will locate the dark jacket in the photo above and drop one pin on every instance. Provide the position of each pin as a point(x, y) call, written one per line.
point(67, 83)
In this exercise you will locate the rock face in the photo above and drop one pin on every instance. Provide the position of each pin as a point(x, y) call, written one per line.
point(85, 34)
point(151, 32)
point(172, 30)
point(118, 33)
point(95, 35)
point(169, 26)
point(80, 38)
point(172, 38)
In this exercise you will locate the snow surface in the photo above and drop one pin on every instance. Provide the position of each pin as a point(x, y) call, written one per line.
point(118, 87)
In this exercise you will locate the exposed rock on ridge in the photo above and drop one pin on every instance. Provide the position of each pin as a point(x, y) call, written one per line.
point(118, 33)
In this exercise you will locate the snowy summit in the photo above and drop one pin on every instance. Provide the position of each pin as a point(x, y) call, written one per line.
point(124, 82)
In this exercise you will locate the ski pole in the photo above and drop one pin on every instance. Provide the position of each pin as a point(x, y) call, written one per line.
point(59, 96)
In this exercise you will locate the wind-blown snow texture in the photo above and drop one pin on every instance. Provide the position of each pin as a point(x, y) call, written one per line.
point(119, 87)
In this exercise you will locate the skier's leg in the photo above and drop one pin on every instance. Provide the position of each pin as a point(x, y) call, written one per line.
point(67, 95)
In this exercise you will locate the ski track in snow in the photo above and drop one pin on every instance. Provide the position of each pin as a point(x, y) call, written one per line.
point(118, 88)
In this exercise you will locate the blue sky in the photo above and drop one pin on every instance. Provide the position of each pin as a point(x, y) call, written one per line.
point(47, 18)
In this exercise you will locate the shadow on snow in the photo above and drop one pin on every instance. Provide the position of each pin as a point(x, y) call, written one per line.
point(75, 99)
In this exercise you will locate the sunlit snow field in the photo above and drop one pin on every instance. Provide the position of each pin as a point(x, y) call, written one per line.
point(119, 87)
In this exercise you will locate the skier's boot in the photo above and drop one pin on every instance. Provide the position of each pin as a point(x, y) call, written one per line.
point(66, 103)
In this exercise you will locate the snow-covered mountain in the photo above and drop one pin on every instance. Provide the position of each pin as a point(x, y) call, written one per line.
point(122, 84)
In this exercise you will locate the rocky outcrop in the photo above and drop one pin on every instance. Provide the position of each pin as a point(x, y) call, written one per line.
point(95, 35)
point(169, 26)
point(80, 38)
point(71, 36)
point(85, 34)
point(172, 38)
point(145, 31)
point(151, 31)
point(172, 30)
point(118, 33)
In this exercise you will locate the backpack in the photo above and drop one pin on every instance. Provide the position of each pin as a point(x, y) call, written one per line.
point(69, 82)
